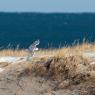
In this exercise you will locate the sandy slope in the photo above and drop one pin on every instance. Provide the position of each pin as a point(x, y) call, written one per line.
point(14, 80)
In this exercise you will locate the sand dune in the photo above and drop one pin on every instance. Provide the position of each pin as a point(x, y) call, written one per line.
point(48, 74)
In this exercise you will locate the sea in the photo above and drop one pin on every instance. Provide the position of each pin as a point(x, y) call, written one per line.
point(54, 30)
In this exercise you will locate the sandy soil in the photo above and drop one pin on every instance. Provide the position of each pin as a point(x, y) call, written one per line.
point(14, 80)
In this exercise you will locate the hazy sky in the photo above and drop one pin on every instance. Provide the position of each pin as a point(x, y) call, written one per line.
point(47, 5)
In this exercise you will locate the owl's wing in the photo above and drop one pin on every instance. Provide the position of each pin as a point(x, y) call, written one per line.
point(33, 47)
point(37, 42)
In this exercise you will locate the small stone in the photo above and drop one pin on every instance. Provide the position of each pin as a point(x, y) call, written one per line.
point(63, 84)
point(51, 93)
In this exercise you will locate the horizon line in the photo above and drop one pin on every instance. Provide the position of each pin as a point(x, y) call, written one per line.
point(46, 12)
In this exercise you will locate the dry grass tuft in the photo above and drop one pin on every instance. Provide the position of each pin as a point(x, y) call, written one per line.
point(10, 52)
point(72, 71)
point(74, 68)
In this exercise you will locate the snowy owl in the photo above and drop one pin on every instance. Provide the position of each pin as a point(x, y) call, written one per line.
point(32, 48)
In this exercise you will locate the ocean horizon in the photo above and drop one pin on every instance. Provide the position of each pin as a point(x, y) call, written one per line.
point(54, 30)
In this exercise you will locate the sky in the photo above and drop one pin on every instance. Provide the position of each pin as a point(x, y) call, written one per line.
point(47, 5)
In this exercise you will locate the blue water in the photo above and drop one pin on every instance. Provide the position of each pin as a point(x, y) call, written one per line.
point(52, 29)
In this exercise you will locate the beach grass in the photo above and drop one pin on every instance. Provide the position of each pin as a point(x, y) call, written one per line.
point(66, 50)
